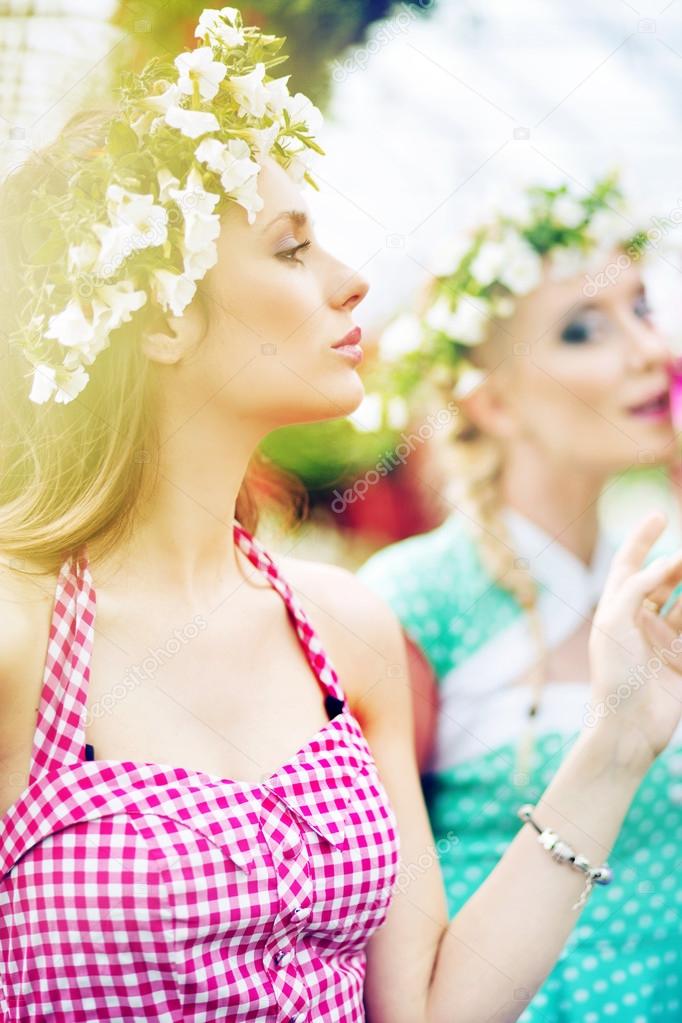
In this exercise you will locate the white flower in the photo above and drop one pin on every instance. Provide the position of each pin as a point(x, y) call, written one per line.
point(115, 247)
point(468, 322)
point(302, 111)
point(82, 258)
point(211, 152)
point(167, 181)
point(522, 269)
point(397, 412)
point(136, 222)
point(232, 161)
point(143, 123)
point(368, 417)
point(86, 334)
point(448, 255)
point(400, 337)
point(71, 327)
point(219, 26)
point(45, 384)
point(250, 92)
point(194, 198)
point(247, 196)
point(299, 163)
point(192, 123)
point(487, 263)
point(263, 139)
point(565, 261)
point(145, 222)
point(120, 301)
point(173, 292)
point(468, 379)
point(278, 95)
point(198, 67)
point(163, 101)
point(197, 264)
point(607, 229)
point(71, 386)
point(439, 314)
point(568, 211)
point(200, 231)
point(202, 225)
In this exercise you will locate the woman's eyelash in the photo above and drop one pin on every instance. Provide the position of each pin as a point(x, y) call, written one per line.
point(289, 254)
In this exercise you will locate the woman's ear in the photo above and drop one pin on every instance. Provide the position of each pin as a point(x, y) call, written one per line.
point(170, 338)
point(488, 407)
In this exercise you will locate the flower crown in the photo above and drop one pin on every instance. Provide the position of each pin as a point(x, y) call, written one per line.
point(477, 277)
point(137, 228)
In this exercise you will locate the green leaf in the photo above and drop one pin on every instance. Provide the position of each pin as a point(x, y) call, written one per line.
point(122, 139)
point(48, 253)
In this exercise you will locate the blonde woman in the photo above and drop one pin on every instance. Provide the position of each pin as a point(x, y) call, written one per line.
point(541, 324)
point(221, 839)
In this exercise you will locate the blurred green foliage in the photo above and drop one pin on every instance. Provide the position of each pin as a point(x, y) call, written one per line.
point(328, 454)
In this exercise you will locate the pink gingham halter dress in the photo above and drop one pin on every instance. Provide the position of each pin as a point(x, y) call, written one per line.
point(140, 891)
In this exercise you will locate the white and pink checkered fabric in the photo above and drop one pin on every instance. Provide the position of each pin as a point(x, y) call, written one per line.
point(138, 891)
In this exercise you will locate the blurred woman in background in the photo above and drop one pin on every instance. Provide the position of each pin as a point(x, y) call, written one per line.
point(540, 322)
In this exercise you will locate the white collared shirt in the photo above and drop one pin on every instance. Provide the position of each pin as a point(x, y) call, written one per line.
point(482, 707)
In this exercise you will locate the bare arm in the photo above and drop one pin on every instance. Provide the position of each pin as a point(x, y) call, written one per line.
point(423, 688)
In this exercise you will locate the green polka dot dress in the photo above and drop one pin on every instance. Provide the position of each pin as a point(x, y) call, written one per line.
point(623, 961)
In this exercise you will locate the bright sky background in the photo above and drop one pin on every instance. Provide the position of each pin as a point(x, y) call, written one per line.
point(440, 116)
point(441, 113)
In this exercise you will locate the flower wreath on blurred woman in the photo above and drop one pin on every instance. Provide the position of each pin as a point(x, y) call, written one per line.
point(539, 324)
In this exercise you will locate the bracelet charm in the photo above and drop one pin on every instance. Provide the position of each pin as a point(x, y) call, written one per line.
point(562, 852)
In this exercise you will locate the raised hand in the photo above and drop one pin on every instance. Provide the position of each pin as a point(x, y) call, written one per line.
point(636, 653)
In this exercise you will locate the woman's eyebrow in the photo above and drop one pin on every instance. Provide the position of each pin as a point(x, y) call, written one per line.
point(297, 217)
point(581, 307)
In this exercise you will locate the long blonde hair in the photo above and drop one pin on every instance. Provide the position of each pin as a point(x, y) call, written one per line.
point(73, 473)
point(478, 461)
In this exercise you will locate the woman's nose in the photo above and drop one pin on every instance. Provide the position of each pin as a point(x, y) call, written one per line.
point(352, 291)
point(648, 345)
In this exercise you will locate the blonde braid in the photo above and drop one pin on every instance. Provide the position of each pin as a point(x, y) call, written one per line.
point(478, 463)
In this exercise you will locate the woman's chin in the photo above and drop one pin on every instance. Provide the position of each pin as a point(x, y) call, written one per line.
point(321, 404)
point(345, 395)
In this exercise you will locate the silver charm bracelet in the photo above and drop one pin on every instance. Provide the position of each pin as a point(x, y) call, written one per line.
point(562, 853)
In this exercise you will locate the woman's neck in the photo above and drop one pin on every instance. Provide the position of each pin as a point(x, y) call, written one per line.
point(558, 499)
point(182, 539)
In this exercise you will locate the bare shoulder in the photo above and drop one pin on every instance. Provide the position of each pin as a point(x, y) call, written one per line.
point(358, 629)
point(342, 597)
point(25, 603)
point(336, 585)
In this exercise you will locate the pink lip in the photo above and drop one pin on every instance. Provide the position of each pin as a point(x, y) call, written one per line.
point(352, 338)
point(352, 352)
point(657, 407)
point(349, 346)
